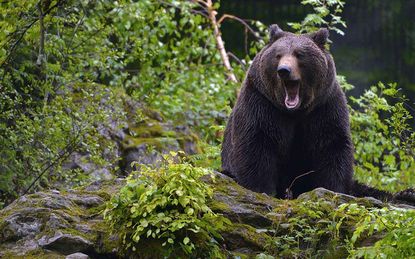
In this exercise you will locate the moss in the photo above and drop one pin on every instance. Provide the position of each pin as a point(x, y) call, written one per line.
point(34, 254)
point(94, 211)
point(242, 235)
point(155, 135)
point(147, 131)
point(73, 232)
point(107, 243)
point(218, 206)
point(158, 143)
point(105, 188)
point(193, 138)
point(241, 255)
point(223, 185)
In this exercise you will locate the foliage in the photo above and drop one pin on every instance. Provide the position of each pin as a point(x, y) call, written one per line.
point(167, 204)
point(305, 231)
point(210, 157)
point(321, 228)
point(50, 105)
point(55, 99)
point(397, 226)
point(44, 137)
point(162, 52)
point(326, 14)
point(383, 138)
point(179, 69)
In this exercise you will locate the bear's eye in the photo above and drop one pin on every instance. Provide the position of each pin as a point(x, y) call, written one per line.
point(299, 54)
point(279, 56)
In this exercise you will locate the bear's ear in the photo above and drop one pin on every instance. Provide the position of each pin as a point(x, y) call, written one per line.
point(275, 33)
point(320, 37)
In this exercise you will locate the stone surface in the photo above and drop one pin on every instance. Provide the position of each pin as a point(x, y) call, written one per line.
point(139, 134)
point(58, 224)
point(77, 256)
point(65, 243)
point(69, 224)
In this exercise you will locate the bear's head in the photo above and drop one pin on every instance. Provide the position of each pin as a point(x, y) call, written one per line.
point(296, 70)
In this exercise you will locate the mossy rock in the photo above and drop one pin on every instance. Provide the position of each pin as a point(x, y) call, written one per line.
point(54, 224)
point(137, 133)
point(147, 141)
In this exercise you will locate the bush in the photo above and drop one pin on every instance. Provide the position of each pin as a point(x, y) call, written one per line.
point(162, 211)
point(383, 138)
point(330, 229)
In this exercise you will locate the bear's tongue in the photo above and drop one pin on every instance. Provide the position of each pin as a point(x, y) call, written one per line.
point(291, 94)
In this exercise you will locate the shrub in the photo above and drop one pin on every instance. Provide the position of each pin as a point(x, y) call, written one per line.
point(331, 229)
point(165, 208)
point(383, 138)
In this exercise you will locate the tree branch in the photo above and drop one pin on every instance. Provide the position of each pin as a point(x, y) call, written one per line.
point(219, 42)
point(19, 39)
point(231, 55)
point(243, 22)
point(41, 57)
point(69, 149)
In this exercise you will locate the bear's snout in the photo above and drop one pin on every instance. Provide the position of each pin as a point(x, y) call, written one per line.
point(288, 68)
point(284, 72)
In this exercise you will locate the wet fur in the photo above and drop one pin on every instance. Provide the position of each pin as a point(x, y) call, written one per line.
point(267, 146)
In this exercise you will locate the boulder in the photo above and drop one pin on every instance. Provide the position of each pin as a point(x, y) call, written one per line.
point(70, 224)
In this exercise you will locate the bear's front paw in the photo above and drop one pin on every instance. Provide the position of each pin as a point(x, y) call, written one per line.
point(406, 196)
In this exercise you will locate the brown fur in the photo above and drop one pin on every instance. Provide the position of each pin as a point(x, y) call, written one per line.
point(267, 145)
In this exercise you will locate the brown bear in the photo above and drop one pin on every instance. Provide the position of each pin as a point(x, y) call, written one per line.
point(289, 130)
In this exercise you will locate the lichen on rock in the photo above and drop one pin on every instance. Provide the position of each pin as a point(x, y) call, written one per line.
point(56, 224)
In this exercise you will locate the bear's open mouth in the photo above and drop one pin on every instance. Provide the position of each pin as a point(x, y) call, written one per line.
point(292, 97)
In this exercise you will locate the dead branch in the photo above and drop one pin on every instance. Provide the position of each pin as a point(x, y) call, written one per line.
point(231, 55)
point(243, 22)
point(219, 42)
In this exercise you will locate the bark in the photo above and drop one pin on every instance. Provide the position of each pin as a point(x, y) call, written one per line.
point(219, 42)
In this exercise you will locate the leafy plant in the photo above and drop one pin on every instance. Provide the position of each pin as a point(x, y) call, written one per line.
point(41, 139)
point(329, 228)
point(383, 138)
point(395, 226)
point(305, 230)
point(161, 52)
point(327, 13)
point(166, 206)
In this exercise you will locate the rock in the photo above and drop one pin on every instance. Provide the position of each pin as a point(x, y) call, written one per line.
point(77, 256)
point(148, 140)
point(65, 243)
point(59, 224)
point(338, 198)
point(137, 133)
point(70, 223)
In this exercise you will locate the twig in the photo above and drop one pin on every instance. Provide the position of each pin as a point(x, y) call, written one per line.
point(201, 3)
point(230, 54)
point(17, 42)
point(69, 149)
point(243, 22)
point(77, 26)
point(41, 56)
point(288, 192)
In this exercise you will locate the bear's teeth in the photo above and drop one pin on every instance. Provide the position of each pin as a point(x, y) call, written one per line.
point(292, 98)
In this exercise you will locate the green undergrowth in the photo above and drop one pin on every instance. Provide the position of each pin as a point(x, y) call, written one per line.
point(163, 212)
point(326, 228)
point(384, 138)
